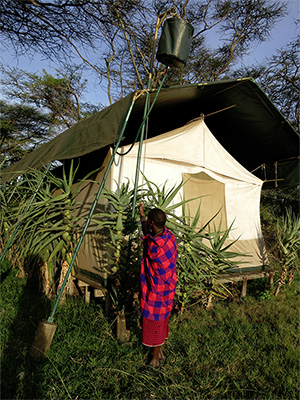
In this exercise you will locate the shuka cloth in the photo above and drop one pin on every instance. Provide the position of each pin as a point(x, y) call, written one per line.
point(158, 275)
point(154, 333)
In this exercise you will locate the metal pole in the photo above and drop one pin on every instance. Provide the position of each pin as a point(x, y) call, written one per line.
point(27, 208)
point(51, 318)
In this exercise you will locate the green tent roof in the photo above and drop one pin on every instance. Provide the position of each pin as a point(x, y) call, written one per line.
point(239, 114)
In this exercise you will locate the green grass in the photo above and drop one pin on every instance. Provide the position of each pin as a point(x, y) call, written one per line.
point(242, 350)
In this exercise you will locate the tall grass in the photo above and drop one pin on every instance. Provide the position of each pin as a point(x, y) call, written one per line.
point(246, 349)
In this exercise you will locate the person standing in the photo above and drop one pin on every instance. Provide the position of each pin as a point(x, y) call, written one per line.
point(158, 280)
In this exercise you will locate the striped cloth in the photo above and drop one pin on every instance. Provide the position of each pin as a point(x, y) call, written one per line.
point(158, 275)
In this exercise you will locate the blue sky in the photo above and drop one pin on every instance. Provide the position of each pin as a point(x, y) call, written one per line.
point(281, 35)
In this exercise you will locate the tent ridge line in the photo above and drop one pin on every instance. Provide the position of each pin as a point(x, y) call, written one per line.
point(224, 90)
point(231, 177)
point(205, 168)
point(223, 109)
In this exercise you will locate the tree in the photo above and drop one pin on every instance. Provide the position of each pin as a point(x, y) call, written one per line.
point(22, 129)
point(43, 106)
point(121, 33)
point(60, 95)
point(280, 78)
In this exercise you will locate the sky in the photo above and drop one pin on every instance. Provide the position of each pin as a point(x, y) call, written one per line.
point(280, 36)
point(283, 33)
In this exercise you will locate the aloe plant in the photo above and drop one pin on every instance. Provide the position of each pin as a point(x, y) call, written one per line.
point(48, 230)
point(203, 258)
point(199, 265)
point(9, 196)
point(160, 197)
point(115, 222)
point(288, 234)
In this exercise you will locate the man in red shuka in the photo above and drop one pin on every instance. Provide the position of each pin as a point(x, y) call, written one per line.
point(158, 280)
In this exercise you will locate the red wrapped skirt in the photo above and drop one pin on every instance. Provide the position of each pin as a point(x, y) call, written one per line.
point(154, 333)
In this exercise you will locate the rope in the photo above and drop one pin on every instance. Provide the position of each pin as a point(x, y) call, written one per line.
point(223, 109)
point(202, 116)
point(146, 117)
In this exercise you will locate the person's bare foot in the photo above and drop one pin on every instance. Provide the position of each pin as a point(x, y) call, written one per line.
point(157, 355)
point(154, 363)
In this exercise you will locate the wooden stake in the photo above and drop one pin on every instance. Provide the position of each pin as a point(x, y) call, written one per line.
point(244, 287)
point(122, 332)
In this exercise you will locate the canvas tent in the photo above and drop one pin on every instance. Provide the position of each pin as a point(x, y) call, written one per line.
point(191, 153)
point(258, 131)
point(244, 122)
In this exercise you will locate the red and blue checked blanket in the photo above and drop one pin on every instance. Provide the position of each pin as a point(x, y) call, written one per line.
point(158, 275)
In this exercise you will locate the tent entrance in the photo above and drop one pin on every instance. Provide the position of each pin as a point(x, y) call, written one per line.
point(212, 201)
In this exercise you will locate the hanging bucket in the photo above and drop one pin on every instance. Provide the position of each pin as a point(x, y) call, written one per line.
point(175, 42)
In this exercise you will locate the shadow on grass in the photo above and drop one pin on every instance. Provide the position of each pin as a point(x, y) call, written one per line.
point(23, 308)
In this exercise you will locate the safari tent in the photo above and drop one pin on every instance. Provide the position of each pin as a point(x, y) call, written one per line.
point(223, 187)
point(241, 130)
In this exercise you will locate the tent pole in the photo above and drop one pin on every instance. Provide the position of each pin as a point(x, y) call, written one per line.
point(51, 317)
point(27, 208)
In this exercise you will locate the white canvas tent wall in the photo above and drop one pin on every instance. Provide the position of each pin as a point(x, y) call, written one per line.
point(191, 153)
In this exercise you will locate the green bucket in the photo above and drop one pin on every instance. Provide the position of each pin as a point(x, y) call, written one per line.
point(175, 42)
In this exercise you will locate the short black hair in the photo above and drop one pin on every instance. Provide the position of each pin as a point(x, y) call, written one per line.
point(158, 217)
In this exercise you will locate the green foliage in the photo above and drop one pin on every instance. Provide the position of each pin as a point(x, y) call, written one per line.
point(276, 200)
point(274, 203)
point(115, 222)
point(202, 254)
point(288, 234)
point(60, 95)
point(23, 127)
point(201, 264)
point(43, 105)
point(288, 231)
point(49, 230)
point(126, 35)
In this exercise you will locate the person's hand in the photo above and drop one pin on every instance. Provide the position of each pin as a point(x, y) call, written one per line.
point(143, 219)
point(141, 210)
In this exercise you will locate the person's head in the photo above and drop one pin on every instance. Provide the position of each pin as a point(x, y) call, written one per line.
point(157, 217)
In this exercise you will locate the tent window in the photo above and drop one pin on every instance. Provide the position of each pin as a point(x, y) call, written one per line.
point(212, 202)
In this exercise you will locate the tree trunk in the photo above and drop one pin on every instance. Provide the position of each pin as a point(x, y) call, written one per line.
point(63, 273)
point(46, 285)
point(209, 303)
point(281, 281)
point(291, 276)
